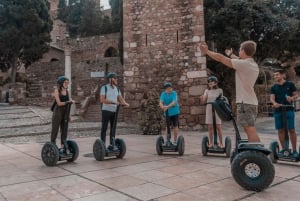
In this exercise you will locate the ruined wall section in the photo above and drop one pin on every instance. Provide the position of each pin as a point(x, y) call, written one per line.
point(161, 44)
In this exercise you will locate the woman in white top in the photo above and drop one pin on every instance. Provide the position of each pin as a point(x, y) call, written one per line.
point(209, 96)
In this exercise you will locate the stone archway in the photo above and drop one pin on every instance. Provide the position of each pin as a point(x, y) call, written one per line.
point(111, 52)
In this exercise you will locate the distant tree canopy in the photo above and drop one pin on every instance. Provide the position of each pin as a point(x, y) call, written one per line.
point(24, 33)
point(83, 19)
point(273, 24)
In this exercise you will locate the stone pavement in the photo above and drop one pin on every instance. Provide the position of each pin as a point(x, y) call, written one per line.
point(140, 175)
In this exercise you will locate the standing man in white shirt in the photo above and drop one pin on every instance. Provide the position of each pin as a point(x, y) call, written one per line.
point(110, 97)
point(246, 73)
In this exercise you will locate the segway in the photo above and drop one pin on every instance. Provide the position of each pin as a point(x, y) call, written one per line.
point(286, 154)
point(250, 166)
point(216, 147)
point(51, 154)
point(117, 148)
point(163, 145)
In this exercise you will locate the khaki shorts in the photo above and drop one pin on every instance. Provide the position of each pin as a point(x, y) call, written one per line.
point(246, 114)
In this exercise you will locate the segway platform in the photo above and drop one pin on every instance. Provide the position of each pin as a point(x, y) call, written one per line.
point(100, 151)
point(285, 154)
point(118, 148)
point(51, 154)
point(161, 146)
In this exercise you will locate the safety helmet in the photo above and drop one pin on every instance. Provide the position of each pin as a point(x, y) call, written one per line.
point(212, 78)
point(61, 79)
point(111, 75)
point(167, 84)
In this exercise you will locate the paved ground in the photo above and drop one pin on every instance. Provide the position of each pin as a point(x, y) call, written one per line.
point(141, 175)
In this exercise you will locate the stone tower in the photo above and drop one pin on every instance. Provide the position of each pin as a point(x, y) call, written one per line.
point(161, 41)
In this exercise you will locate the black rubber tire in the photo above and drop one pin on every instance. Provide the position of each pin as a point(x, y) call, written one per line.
point(120, 143)
point(180, 145)
point(99, 150)
point(50, 154)
point(159, 144)
point(73, 147)
point(252, 170)
point(227, 146)
point(204, 145)
point(233, 155)
point(274, 147)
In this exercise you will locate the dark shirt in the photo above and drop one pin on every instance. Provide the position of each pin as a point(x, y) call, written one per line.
point(281, 92)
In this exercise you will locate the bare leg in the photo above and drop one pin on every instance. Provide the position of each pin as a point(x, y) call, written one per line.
point(176, 130)
point(220, 135)
point(293, 137)
point(210, 133)
point(251, 133)
point(281, 137)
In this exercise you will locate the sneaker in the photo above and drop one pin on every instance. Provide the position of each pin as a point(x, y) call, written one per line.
point(61, 151)
point(168, 143)
point(174, 143)
point(281, 152)
point(295, 154)
point(110, 147)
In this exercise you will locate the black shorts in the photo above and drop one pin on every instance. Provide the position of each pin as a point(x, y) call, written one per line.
point(173, 120)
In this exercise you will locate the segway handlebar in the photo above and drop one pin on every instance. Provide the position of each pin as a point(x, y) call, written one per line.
point(286, 106)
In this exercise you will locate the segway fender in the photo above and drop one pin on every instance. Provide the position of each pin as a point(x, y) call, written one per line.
point(254, 147)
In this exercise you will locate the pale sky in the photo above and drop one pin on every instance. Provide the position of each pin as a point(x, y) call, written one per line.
point(105, 3)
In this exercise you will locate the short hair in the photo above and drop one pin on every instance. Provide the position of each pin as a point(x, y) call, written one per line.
point(281, 71)
point(249, 47)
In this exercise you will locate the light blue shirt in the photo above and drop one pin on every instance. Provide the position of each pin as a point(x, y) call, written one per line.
point(111, 94)
point(167, 98)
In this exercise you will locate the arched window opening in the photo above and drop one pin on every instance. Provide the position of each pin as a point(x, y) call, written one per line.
point(111, 52)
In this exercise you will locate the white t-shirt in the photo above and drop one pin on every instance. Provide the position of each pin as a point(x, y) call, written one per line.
point(112, 94)
point(246, 73)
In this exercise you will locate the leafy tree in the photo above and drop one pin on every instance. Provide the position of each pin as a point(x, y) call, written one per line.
point(273, 24)
point(62, 10)
point(90, 19)
point(25, 32)
point(74, 18)
point(106, 25)
point(116, 11)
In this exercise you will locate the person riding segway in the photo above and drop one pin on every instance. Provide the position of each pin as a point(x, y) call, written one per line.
point(169, 104)
point(60, 119)
point(283, 93)
point(111, 99)
point(210, 144)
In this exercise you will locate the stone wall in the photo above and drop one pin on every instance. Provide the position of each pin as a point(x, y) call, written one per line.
point(161, 44)
point(87, 56)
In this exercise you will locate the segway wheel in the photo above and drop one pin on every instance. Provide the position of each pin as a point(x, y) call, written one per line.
point(233, 154)
point(252, 170)
point(99, 150)
point(204, 145)
point(120, 143)
point(73, 147)
point(159, 144)
point(227, 146)
point(50, 154)
point(274, 147)
point(180, 145)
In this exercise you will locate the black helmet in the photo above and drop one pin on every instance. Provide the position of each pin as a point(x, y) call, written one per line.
point(61, 79)
point(111, 75)
point(212, 78)
point(167, 84)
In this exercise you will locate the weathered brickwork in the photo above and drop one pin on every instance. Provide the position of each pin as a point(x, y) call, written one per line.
point(161, 44)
